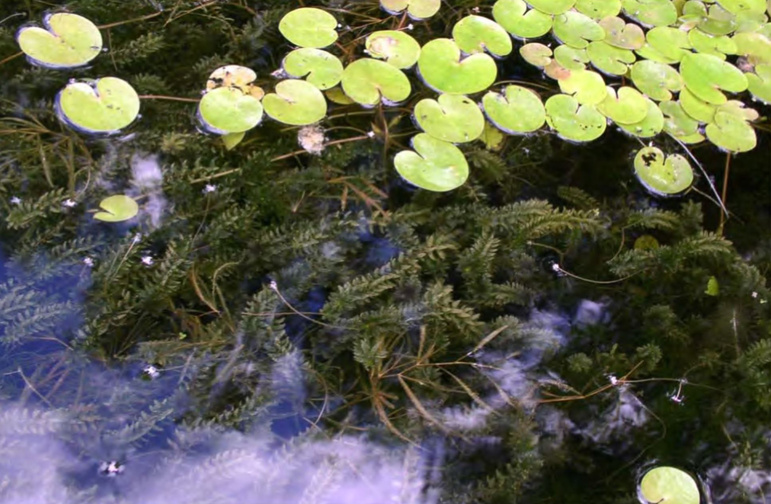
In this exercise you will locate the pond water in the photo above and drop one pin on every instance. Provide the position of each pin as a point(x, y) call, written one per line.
point(276, 326)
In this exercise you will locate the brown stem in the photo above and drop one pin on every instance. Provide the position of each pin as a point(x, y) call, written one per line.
point(134, 20)
point(11, 57)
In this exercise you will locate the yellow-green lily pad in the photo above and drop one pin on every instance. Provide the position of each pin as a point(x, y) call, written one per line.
point(657, 80)
point(309, 27)
point(452, 118)
point(492, 137)
point(662, 175)
point(739, 6)
point(68, 40)
point(576, 29)
point(670, 485)
point(368, 81)
point(571, 58)
point(665, 45)
point(608, 59)
point(651, 12)
point(730, 129)
point(705, 75)
point(106, 105)
point(338, 96)
point(477, 34)
point(586, 86)
point(536, 54)
point(517, 111)
point(623, 35)
point(553, 7)
point(228, 110)
point(231, 140)
point(395, 47)
point(296, 102)
point(572, 121)
point(235, 76)
point(759, 83)
point(416, 9)
point(320, 68)
point(434, 165)
point(695, 107)
point(716, 45)
point(715, 20)
point(679, 124)
point(519, 21)
point(651, 125)
point(443, 68)
point(117, 208)
point(598, 9)
point(756, 47)
point(624, 106)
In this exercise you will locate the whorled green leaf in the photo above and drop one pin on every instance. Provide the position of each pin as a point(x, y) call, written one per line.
point(730, 129)
point(553, 7)
point(679, 124)
point(670, 485)
point(296, 102)
point(598, 9)
point(117, 208)
point(664, 176)
point(705, 76)
point(759, 83)
point(443, 68)
point(434, 165)
point(517, 110)
point(309, 27)
point(536, 54)
point(695, 107)
point(519, 21)
point(711, 44)
point(106, 105)
point(320, 68)
point(624, 106)
point(620, 34)
point(650, 126)
point(571, 58)
point(576, 29)
point(608, 59)
point(665, 45)
point(68, 40)
point(650, 12)
point(368, 81)
point(452, 118)
point(572, 121)
point(586, 86)
point(228, 110)
point(416, 9)
point(395, 47)
point(657, 80)
point(477, 34)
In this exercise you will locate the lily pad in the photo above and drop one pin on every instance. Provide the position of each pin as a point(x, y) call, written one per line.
point(738, 6)
point(117, 208)
point(715, 20)
point(395, 47)
point(679, 124)
point(317, 66)
point(477, 34)
point(552, 6)
point(706, 75)
point(518, 110)
point(436, 166)
point(625, 106)
point(663, 176)
point(576, 29)
point(651, 125)
point(656, 80)
point(367, 81)
point(756, 47)
point(492, 137)
point(651, 12)
point(416, 9)
point(231, 140)
point(670, 485)
point(519, 21)
point(337, 95)
point(296, 102)
point(623, 35)
point(608, 59)
point(237, 77)
point(716, 45)
point(536, 54)
point(695, 107)
point(68, 40)
point(309, 27)
point(572, 121)
point(444, 69)
point(586, 86)
point(571, 58)
point(106, 105)
point(452, 118)
point(730, 129)
point(759, 83)
point(665, 45)
point(228, 110)
point(598, 9)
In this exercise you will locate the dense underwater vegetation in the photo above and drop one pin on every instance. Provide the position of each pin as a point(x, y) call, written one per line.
point(276, 325)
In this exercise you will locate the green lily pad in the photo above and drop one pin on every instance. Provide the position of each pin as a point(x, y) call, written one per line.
point(536, 54)
point(759, 83)
point(309, 27)
point(552, 6)
point(117, 208)
point(695, 107)
point(651, 12)
point(296, 102)
point(621, 34)
point(492, 137)
point(679, 124)
point(730, 129)
point(665, 45)
point(738, 6)
point(756, 47)
point(416, 9)
point(231, 140)
point(228, 110)
point(519, 21)
point(656, 80)
point(235, 76)
point(576, 29)
point(452, 118)
point(608, 59)
point(586, 86)
point(444, 69)
point(517, 111)
point(395, 47)
point(598, 9)
point(625, 106)
point(670, 485)
point(711, 44)
point(715, 20)
point(572, 121)
point(651, 125)
point(477, 34)
point(436, 166)
point(663, 176)
point(368, 81)
point(706, 75)
point(317, 66)
point(571, 58)
point(68, 40)
point(337, 95)
point(106, 105)
point(556, 71)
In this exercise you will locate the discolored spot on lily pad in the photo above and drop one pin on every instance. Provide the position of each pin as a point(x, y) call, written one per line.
point(228, 110)
point(586, 86)
point(443, 68)
point(571, 58)
point(706, 75)
point(519, 21)
point(296, 102)
point(552, 6)
point(416, 9)
point(576, 29)
point(367, 81)
point(598, 9)
point(711, 44)
point(435, 165)
point(624, 106)
point(317, 66)
point(608, 59)
point(759, 83)
point(452, 118)
point(572, 121)
point(536, 54)
point(621, 34)
point(662, 175)
point(104, 106)
point(237, 77)
point(477, 34)
point(651, 12)
point(117, 208)
point(309, 27)
point(670, 485)
point(517, 111)
point(651, 125)
point(67, 41)
point(695, 107)
point(679, 124)
point(395, 47)
point(730, 129)
point(657, 80)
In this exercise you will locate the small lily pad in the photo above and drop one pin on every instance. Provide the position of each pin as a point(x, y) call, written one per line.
point(337, 95)
point(444, 69)
point(416, 9)
point(665, 45)
point(231, 140)
point(679, 124)
point(695, 107)
point(656, 80)
point(711, 44)
point(556, 71)
point(759, 83)
point(730, 129)
point(228, 110)
point(739, 6)
point(117, 208)
point(756, 47)
point(576, 29)
point(492, 137)
point(237, 77)
point(519, 21)
point(68, 40)
point(621, 34)
point(599, 9)
point(317, 66)
point(517, 111)
point(436, 166)
point(608, 59)
point(309, 27)
point(572, 121)
point(706, 75)
point(452, 118)
point(536, 54)
point(106, 105)
point(477, 34)
point(646, 242)
point(395, 47)
point(552, 6)
point(296, 102)
point(586, 86)
point(715, 20)
point(670, 485)
point(662, 175)
point(651, 12)
point(625, 106)
point(651, 125)
point(367, 81)
point(571, 58)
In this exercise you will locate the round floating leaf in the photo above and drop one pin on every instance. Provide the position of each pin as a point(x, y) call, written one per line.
point(576, 29)
point(320, 68)
point(571, 121)
point(416, 9)
point(571, 58)
point(336, 95)
point(738, 6)
point(670, 485)
point(68, 41)
point(756, 47)
point(706, 75)
point(696, 108)
point(650, 126)
point(665, 45)
point(492, 137)
point(520, 22)
point(646, 242)
point(536, 54)
point(759, 83)
point(608, 59)
point(679, 124)
point(436, 166)
point(586, 86)
point(296, 102)
point(117, 208)
point(367, 81)
point(237, 77)
point(664, 177)
point(477, 34)
point(730, 130)
point(711, 44)
point(555, 71)
point(106, 105)
point(444, 70)
point(598, 9)
point(552, 6)
point(625, 106)
point(228, 110)
point(651, 12)
point(622, 35)
point(309, 27)
point(453, 118)
point(395, 47)
point(518, 110)
point(656, 80)
point(231, 140)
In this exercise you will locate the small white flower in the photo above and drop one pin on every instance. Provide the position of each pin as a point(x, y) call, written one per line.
point(371, 134)
point(613, 380)
point(68, 203)
point(147, 260)
point(754, 295)
point(409, 27)
point(273, 285)
point(88, 262)
point(556, 268)
point(136, 239)
point(111, 468)
point(210, 188)
point(15, 200)
point(151, 372)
